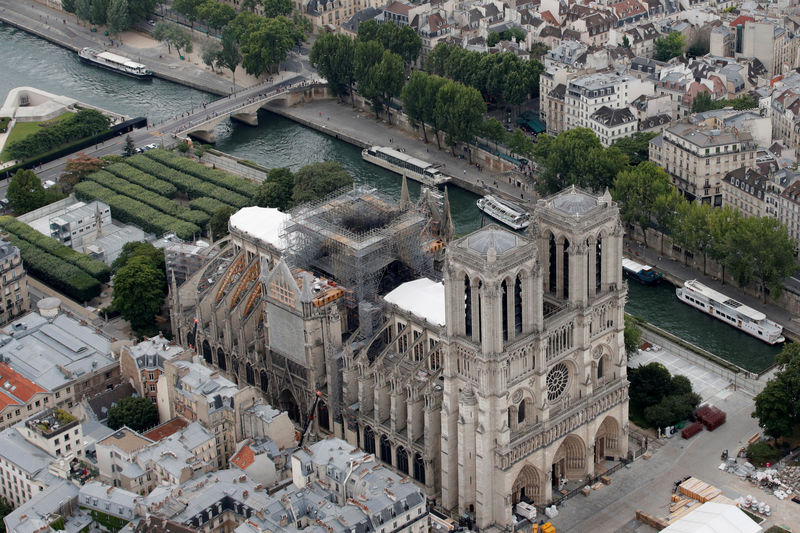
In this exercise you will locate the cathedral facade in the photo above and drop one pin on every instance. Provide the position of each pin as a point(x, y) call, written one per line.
point(489, 384)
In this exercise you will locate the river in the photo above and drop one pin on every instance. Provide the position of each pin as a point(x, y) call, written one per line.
point(278, 142)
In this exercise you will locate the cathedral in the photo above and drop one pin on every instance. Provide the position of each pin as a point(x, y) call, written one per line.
point(489, 368)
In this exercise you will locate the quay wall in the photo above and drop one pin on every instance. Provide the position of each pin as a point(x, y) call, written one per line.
point(235, 165)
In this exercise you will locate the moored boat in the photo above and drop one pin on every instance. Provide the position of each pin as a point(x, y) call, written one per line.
point(730, 311)
point(115, 63)
point(411, 167)
point(509, 214)
point(642, 273)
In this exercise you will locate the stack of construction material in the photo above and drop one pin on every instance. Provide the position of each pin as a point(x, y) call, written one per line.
point(544, 528)
point(691, 430)
point(698, 490)
point(712, 417)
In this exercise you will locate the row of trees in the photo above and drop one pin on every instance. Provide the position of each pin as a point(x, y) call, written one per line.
point(56, 133)
point(140, 285)
point(503, 77)
point(752, 249)
point(173, 35)
point(120, 15)
point(704, 102)
point(660, 398)
point(777, 407)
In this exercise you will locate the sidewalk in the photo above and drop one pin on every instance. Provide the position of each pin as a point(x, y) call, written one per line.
point(679, 271)
point(341, 120)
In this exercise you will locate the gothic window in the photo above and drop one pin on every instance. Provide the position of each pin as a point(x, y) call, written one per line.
point(419, 468)
point(521, 412)
point(552, 259)
point(435, 360)
point(478, 315)
point(323, 416)
point(467, 307)
point(518, 306)
point(386, 450)
point(557, 380)
point(402, 460)
point(598, 263)
point(369, 440)
point(264, 380)
point(207, 351)
point(600, 368)
point(222, 363)
point(504, 308)
point(566, 269)
point(419, 347)
point(402, 340)
point(249, 374)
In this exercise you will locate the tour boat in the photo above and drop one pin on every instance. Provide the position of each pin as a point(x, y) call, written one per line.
point(730, 311)
point(411, 167)
point(115, 63)
point(506, 212)
point(642, 273)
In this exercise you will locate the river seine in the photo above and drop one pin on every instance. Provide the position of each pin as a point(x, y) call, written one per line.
point(277, 142)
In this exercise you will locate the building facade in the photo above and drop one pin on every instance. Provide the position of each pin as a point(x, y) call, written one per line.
point(13, 283)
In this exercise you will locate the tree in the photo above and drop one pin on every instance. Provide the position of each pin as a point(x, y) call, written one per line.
point(365, 56)
point(188, 8)
point(275, 8)
point(83, 9)
point(139, 292)
point(429, 116)
point(77, 168)
point(139, 414)
point(636, 190)
point(68, 5)
point(140, 9)
point(317, 180)
point(721, 222)
point(671, 409)
point(636, 147)
point(493, 38)
point(389, 77)
point(681, 385)
point(520, 144)
point(250, 5)
point(130, 148)
point(162, 32)
point(155, 256)
point(265, 43)
point(219, 222)
point(118, 17)
point(670, 46)
point(215, 14)
point(703, 102)
point(230, 56)
point(761, 251)
point(460, 110)
point(368, 31)
point(692, 229)
point(576, 157)
point(276, 190)
point(626, 43)
point(515, 91)
point(210, 51)
point(539, 49)
point(98, 12)
point(633, 337)
point(25, 192)
point(648, 384)
point(493, 130)
point(180, 39)
point(698, 49)
point(5, 509)
point(413, 95)
point(332, 55)
point(777, 406)
point(665, 212)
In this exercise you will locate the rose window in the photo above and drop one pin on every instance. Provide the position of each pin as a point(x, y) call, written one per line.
point(557, 380)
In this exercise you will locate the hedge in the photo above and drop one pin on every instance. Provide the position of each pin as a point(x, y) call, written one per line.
point(134, 175)
point(62, 276)
point(128, 210)
point(208, 205)
point(185, 183)
point(54, 134)
point(93, 267)
point(131, 190)
point(198, 170)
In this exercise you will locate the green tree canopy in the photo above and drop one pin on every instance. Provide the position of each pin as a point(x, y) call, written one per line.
point(276, 190)
point(83, 9)
point(230, 56)
point(276, 8)
point(68, 6)
point(403, 41)
point(649, 384)
point(493, 130)
point(188, 8)
point(140, 249)
point(118, 17)
point(460, 111)
point(692, 231)
point(215, 14)
point(77, 168)
point(332, 55)
point(5, 509)
point(25, 192)
point(520, 144)
point(317, 180)
point(633, 337)
point(98, 12)
point(637, 190)
point(219, 222)
point(139, 414)
point(129, 148)
point(778, 405)
point(669, 46)
point(636, 147)
point(264, 42)
point(210, 51)
point(139, 292)
point(576, 157)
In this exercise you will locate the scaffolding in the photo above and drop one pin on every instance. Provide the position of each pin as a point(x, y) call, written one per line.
point(353, 235)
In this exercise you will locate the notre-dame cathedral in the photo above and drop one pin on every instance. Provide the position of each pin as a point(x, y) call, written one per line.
point(488, 368)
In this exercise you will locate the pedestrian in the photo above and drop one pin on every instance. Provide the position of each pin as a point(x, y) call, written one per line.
point(465, 171)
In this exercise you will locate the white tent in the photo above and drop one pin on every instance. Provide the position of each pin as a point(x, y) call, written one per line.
point(714, 517)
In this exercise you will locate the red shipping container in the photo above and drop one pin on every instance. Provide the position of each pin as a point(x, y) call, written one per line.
point(714, 418)
point(692, 430)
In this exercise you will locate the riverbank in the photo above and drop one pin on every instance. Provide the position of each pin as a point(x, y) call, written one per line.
point(361, 129)
point(60, 28)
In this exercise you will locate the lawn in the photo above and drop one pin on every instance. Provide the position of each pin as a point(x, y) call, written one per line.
point(23, 129)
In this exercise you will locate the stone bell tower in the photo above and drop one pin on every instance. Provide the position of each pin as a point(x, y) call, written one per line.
point(534, 382)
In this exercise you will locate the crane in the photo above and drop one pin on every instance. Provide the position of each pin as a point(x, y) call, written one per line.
point(311, 416)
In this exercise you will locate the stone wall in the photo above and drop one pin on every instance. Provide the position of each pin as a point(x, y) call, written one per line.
point(235, 165)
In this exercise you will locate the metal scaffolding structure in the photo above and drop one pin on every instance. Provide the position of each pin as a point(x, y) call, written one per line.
point(353, 235)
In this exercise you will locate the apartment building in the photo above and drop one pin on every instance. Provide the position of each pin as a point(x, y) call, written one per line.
point(13, 283)
point(612, 124)
point(697, 156)
point(19, 397)
point(80, 222)
point(143, 363)
point(198, 393)
point(587, 94)
point(789, 210)
point(746, 189)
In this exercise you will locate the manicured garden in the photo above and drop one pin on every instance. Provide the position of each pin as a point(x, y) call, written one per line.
point(77, 275)
point(28, 139)
point(143, 190)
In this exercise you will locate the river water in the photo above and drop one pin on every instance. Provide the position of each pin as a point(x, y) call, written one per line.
point(277, 142)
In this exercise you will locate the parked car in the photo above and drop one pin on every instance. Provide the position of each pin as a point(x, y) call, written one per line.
point(48, 183)
point(151, 146)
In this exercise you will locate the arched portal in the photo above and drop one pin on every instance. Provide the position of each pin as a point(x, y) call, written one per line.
point(250, 376)
point(386, 450)
point(402, 460)
point(207, 352)
point(606, 440)
point(528, 487)
point(419, 468)
point(369, 440)
point(289, 404)
point(264, 380)
point(222, 363)
point(324, 416)
point(569, 461)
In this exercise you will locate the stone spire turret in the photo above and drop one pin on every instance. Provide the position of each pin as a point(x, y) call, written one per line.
point(448, 230)
point(405, 199)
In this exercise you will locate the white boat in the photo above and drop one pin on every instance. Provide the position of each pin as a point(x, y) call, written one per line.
point(115, 63)
point(411, 167)
point(506, 212)
point(730, 311)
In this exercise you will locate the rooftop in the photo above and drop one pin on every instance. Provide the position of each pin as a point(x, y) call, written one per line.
point(491, 237)
point(166, 429)
point(126, 440)
point(151, 353)
point(422, 297)
point(264, 223)
point(15, 389)
point(574, 201)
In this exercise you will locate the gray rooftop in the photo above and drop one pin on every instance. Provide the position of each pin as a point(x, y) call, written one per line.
point(38, 511)
point(492, 236)
point(15, 449)
point(573, 201)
